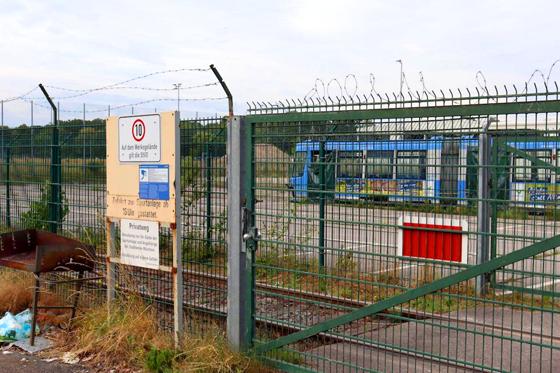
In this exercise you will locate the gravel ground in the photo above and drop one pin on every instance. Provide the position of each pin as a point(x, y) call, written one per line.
point(18, 362)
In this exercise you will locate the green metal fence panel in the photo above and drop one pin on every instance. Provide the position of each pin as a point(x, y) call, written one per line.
point(406, 210)
point(57, 180)
point(204, 189)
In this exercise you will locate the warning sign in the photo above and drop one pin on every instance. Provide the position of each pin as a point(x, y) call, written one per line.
point(140, 243)
point(144, 195)
point(142, 171)
point(140, 138)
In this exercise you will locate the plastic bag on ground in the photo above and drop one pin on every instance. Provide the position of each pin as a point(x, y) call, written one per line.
point(15, 328)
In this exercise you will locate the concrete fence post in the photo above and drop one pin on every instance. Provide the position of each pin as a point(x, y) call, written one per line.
point(483, 216)
point(239, 315)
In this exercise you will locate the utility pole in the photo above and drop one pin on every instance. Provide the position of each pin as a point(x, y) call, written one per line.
point(177, 86)
point(401, 78)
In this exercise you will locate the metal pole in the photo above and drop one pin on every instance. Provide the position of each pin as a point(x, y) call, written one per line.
point(55, 192)
point(84, 143)
point(208, 173)
point(494, 188)
point(32, 133)
point(322, 205)
point(225, 88)
point(110, 232)
point(240, 203)
point(483, 217)
point(177, 235)
point(8, 194)
point(108, 111)
point(2, 123)
point(401, 79)
point(177, 86)
point(4, 155)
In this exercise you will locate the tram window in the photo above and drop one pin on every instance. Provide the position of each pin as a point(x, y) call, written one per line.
point(525, 171)
point(379, 164)
point(350, 164)
point(411, 165)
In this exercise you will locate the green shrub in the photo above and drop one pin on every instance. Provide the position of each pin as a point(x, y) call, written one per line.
point(37, 217)
point(160, 361)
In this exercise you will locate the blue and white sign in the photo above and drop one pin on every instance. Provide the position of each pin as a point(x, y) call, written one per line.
point(154, 181)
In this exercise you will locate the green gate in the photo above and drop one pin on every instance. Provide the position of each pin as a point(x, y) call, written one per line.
point(377, 269)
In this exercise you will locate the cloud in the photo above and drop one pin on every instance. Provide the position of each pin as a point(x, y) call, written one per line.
point(267, 50)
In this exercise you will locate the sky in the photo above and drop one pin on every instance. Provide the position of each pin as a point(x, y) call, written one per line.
point(265, 50)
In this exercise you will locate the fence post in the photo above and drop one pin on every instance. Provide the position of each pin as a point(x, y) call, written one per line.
point(208, 174)
point(111, 266)
point(55, 196)
point(8, 194)
point(240, 277)
point(322, 205)
point(483, 217)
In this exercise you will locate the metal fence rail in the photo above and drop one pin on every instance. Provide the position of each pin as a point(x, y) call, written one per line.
point(360, 203)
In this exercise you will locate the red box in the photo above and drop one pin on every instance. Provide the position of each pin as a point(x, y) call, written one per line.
point(431, 244)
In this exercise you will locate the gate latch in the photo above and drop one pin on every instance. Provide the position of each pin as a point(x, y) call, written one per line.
point(253, 234)
point(249, 233)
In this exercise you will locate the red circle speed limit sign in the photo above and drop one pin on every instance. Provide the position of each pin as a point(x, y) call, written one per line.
point(140, 138)
point(138, 130)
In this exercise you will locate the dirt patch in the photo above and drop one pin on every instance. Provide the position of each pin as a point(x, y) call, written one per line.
point(18, 362)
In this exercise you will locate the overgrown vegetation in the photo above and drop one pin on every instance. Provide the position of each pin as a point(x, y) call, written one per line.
point(130, 337)
point(37, 216)
point(16, 295)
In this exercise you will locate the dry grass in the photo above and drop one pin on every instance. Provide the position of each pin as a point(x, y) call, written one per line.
point(130, 338)
point(113, 340)
point(16, 295)
point(15, 291)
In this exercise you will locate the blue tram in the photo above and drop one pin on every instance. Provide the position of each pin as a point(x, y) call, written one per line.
point(432, 170)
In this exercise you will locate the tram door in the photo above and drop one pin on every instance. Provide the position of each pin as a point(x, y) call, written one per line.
point(449, 172)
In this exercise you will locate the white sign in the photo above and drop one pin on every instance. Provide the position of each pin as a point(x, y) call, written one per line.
point(140, 138)
point(140, 243)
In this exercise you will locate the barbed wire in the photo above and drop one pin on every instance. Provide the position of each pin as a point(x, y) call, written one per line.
point(334, 80)
point(480, 79)
point(15, 98)
point(314, 91)
point(117, 107)
point(484, 84)
point(346, 84)
point(108, 86)
point(123, 88)
point(424, 88)
point(539, 72)
point(550, 70)
point(372, 83)
point(410, 91)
